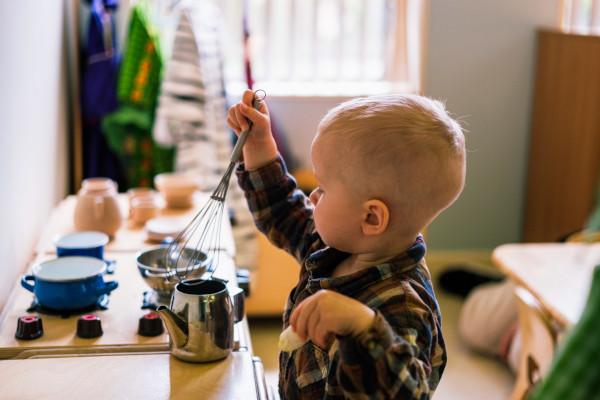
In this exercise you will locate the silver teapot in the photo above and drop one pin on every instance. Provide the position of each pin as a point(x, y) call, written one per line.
point(201, 318)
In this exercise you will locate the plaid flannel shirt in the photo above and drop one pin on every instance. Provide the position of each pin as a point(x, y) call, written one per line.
point(401, 356)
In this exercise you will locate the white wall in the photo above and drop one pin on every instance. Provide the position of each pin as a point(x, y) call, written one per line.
point(33, 153)
point(297, 118)
point(481, 61)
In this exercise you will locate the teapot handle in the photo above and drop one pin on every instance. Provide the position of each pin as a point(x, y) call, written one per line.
point(238, 300)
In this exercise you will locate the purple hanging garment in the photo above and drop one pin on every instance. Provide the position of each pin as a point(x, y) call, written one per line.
point(100, 65)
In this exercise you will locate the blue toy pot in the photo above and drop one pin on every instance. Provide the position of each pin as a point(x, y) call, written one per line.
point(68, 283)
point(87, 244)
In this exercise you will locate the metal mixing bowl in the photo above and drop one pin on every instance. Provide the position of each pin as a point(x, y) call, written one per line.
point(151, 265)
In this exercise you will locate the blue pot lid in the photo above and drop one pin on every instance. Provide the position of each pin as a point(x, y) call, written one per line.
point(66, 269)
point(81, 240)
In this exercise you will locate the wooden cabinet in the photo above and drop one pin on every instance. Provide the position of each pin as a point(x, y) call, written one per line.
point(276, 274)
point(564, 151)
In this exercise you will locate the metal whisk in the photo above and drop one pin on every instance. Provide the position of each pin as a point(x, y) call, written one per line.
point(199, 243)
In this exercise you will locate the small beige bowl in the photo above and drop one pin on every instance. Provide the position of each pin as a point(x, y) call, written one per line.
point(140, 192)
point(142, 209)
point(161, 228)
point(177, 188)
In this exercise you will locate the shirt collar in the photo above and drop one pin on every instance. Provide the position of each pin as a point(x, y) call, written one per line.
point(321, 263)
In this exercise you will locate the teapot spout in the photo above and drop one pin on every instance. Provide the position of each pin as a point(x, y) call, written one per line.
point(176, 326)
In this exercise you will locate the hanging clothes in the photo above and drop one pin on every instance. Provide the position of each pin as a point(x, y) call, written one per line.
point(99, 73)
point(129, 129)
point(192, 115)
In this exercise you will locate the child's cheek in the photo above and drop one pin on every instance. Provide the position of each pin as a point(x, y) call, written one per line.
point(317, 218)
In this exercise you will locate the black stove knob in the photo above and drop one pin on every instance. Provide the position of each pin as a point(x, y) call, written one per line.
point(150, 325)
point(89, 326)
point(29, 327)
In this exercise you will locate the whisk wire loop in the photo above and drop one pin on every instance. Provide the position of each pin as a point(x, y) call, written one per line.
point(204, 231)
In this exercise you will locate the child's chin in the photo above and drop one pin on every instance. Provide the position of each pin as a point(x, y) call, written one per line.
point(338, 245)
point(328, 242)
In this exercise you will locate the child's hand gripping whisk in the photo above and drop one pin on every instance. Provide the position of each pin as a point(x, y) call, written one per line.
point(203, 233)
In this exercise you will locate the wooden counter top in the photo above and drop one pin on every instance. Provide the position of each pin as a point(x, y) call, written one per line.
point(558, 274)
point(130, 237)
point(132, 376)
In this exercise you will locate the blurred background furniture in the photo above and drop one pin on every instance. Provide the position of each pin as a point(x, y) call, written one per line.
point(553, 282)
point(575, 370)
point(539, 337)
point(564, 149)
point(270, 284)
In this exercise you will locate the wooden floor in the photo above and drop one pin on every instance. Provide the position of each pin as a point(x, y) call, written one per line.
point(468, 376)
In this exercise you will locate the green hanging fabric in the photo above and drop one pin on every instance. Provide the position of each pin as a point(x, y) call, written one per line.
point(593, 222)
point(129, 129)
point(575, 371)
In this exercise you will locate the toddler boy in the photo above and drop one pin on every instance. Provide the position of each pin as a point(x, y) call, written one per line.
point(386, 167)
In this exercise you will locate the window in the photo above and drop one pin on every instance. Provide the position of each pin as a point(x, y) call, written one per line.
point(327, 47)
point(581, 16)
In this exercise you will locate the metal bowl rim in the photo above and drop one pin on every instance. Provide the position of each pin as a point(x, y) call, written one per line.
point(202, 264)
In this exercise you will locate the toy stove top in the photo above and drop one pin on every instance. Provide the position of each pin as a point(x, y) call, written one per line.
point(120, 317)
point(119, 314)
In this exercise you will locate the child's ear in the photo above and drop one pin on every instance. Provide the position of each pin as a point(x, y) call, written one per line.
point(376, 217)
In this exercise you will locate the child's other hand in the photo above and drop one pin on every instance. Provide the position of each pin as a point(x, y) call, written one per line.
point(327, 313)
point(240, 113)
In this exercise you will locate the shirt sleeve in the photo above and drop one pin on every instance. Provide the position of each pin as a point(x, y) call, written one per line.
point(280, 210)
point(386, 363)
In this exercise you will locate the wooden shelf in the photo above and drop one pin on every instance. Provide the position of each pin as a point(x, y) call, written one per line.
point(130, 237)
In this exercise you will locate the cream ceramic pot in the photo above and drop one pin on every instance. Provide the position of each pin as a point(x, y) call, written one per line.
point(97, 206)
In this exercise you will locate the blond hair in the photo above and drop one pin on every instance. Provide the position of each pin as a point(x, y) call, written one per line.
point(410, 151)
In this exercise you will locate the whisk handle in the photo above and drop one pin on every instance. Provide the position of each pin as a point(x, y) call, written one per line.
point(236, 154)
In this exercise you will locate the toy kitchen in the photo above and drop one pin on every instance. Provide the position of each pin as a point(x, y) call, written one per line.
point(125, 340)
